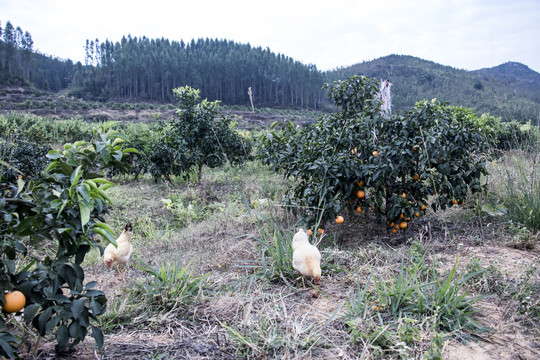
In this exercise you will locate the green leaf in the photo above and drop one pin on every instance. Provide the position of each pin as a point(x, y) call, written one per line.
point(8, 350)
point(62, 336)
point(85, 212)
point(97, 334)
point(68, 274)
point(109, 236)
point(77, 308)
point(43, 318)
point(54, 154)
point(30, 312)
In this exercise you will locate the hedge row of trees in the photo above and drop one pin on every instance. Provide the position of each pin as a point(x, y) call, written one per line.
point(148, 69)
point(20, 64)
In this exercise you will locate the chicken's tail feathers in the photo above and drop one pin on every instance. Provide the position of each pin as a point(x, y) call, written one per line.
point(128, 227)
point(313, 267)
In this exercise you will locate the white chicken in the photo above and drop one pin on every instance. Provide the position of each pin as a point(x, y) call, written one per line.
point(119, 255)
point(306, 257)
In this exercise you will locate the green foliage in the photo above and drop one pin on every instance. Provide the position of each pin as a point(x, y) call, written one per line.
point(47, 227)
point(221, 69)
point(26, 159)
point(169, 286)
point(43, 131)
point(518, 187)
point(498, 91)
point(412, 294)
point(275, 263)
point(184, 213)
point(196, 139)
point(441, 145)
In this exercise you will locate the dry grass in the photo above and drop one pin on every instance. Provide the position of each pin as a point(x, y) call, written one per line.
point(241, 315)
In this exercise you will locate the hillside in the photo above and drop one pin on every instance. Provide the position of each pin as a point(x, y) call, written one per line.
point(509, 90)
point(143, 70)
point(525, 82)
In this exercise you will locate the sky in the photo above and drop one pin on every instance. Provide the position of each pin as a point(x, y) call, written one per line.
point(464, 34)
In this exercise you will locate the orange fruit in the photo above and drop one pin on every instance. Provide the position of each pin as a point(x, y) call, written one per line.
point(402, 216)
point(360, 194)
point(310, 232)
point(404, 195)
point(391, 224)
point(403, 225)
point(340, 220)
point(15, 301)
point(359, 210)
point(423, 207)
point(416, 177)
point(320, 231)
point(454, 201)
point(416, 214)
point(394, 231)
point(361, 183)
point(375, 153)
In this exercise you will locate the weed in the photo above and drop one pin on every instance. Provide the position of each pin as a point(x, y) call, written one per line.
point(184, 212)
point(170, 286)
point(517, 180)
point(486, 280)
point(417, 294)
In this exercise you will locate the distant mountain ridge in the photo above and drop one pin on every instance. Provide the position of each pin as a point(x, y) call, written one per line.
point(524, 80)
point(147, 70)
point(510, 90)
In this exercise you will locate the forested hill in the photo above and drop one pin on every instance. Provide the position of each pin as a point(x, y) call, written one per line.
point(146, 70)
point(509, 90)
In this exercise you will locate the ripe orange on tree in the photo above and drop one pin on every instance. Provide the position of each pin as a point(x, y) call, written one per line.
point(359, 210)
point(454, 202)
point(360, 194)
point(404, 195)
point(310, 232)
point(416, 177)
point(361, 183)
point(340, 219)
point(403, 225)
point(375, 153)
point(15, 301)
point(321, 231)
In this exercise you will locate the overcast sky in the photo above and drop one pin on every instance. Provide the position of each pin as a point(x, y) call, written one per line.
point(465, 34)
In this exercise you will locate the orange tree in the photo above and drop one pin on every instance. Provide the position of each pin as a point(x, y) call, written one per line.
point(432, 155)
point(47, 226)
point(196, 139)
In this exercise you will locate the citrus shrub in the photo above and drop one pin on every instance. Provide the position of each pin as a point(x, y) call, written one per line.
point(47, 226)
point(359, 158)
point(195, 139)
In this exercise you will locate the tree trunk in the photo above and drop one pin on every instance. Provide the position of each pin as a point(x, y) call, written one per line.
point(199, 173)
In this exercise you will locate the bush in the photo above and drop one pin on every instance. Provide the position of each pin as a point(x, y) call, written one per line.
point(359, 158)
point(196, 139)
point(47, 226)
point(26, 159)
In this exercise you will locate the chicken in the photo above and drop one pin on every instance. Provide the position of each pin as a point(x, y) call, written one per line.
point(306, 257)
point(119, 255)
